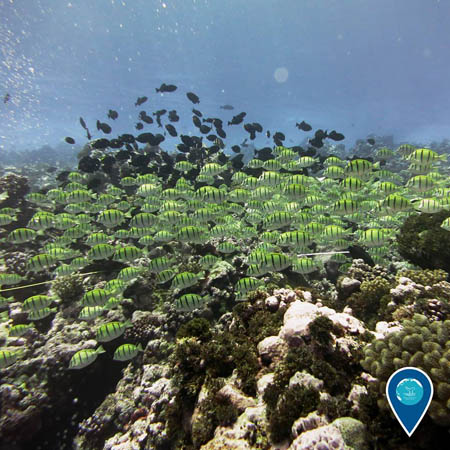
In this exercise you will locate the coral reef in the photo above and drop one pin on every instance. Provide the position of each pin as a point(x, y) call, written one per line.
point(423, 344)
point(16, 187)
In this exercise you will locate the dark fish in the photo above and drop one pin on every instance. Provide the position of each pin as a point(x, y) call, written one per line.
point(144, 138)
point(303, 126)
point(336, 136)
point(218, 123)
point(208, 120)
point(158, 115)
point(62, 176)
point(252, 128)
point(147, 119)
point(94, 183)
point(140, 160)
point(264, 154)
point(236, 120)
point(196, 121)
point(143, 116)
point(187, 140)
point(320, 134)
point(140, 100)
point(211, 137)
point(371, 141)
point(222, 158)
point(88, 164)
point(179, 157)
point(157, 140)
point(257, 127)
point(227, 107)
point(279, 136)
point(166, 88)
point(173, 116)
point(88, 134)
point(139, 126)
point(213, 149)
point(268, 134)
point(83, 123)
point(108, 163)
point(197, 141)
point(244, 143)
point(70, 140)
point(316, 142)
point(160, 112)
point(193, 98)
point(115, 143)
point(104, 127)
point(197, 112)
point(123, 155)
point(52, 169)
point(237, 162)
point(204, 129)
point(249, 128)
point(100, 143)
point(278, 142)
point(171, 130)
point(236, 149)
point(113, 114)
point(6, 98)
point(221, 133)
point(183, 148)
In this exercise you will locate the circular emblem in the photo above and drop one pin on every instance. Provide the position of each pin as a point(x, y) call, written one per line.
point(409, 391)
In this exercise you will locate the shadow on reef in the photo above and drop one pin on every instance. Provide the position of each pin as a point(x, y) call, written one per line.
point(75, 397)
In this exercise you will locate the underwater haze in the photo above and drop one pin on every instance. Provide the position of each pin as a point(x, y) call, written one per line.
point(223, 224)
point(359, 66)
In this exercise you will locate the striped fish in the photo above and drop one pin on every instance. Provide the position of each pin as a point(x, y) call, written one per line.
point(127, 351)
point(111, 330)
point(85, 357)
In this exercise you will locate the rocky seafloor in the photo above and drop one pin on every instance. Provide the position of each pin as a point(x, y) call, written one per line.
point(290, 369)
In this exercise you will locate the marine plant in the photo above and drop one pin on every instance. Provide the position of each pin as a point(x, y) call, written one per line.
point(426, 277)
point(69, 288)
point(369, 303)
point(323, 361)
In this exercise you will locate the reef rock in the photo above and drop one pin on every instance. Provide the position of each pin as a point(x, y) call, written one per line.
point(246, 429)
point(342, 434)
point(311, 421)
point(300, 314)
point(264, 382)
point(236, 397)
point(347, 286)
point(272, 349)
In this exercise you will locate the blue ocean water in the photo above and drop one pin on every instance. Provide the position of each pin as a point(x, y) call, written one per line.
point(357, 66)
